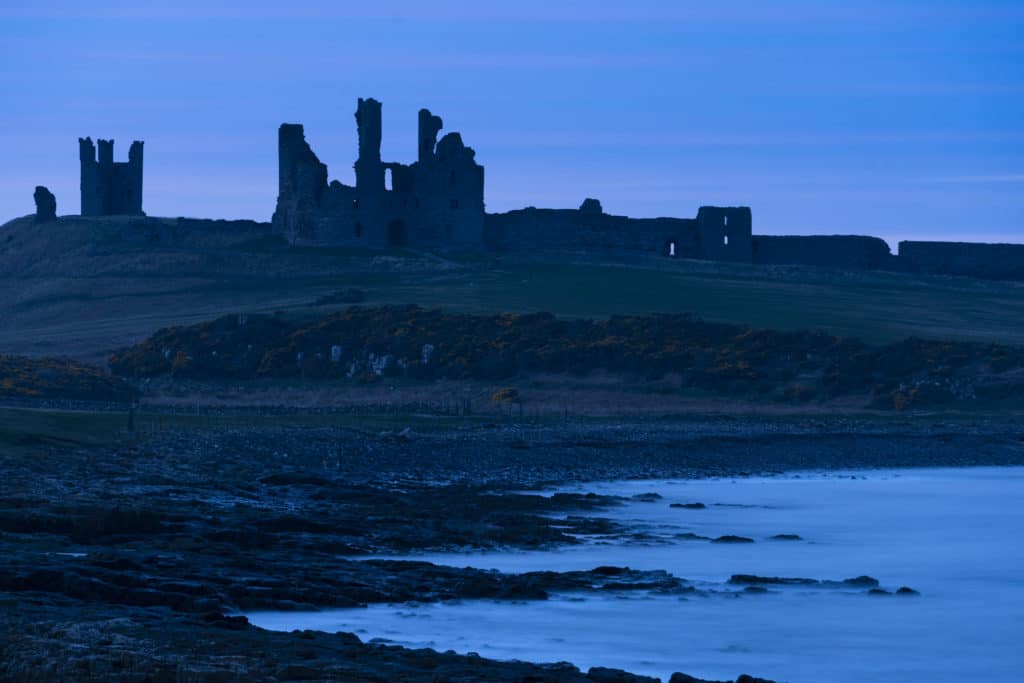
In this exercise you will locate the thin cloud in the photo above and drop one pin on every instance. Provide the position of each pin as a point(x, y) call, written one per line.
point(976, 179)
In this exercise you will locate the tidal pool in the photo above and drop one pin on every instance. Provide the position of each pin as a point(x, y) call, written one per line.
point(954, 535)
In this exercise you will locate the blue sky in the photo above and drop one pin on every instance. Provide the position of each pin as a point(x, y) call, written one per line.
point(903, 119)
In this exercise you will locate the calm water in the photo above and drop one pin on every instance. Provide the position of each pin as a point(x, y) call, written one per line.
point(952, 534)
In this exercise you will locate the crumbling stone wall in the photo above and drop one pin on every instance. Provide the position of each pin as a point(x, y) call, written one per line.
point(110, 188)
point(834, 251)
point(718, 233)
point(994, 261)
point(581, 229)
point(435, 202)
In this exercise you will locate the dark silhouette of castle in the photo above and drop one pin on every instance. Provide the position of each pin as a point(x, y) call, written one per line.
point(435, 202)
point(110, 188)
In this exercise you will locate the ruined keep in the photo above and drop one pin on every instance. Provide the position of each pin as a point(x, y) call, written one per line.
point(435, 202)
point(110, 188)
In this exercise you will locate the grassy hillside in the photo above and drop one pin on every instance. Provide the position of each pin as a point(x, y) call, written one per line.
point(71, 289)
point(877, 307)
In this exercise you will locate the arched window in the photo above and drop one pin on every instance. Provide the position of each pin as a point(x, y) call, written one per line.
point(358, 230)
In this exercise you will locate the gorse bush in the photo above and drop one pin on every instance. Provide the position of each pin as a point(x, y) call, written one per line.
point(53, 378)
point(363, 344)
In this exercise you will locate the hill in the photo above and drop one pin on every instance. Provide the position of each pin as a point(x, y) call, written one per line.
point(81, 287)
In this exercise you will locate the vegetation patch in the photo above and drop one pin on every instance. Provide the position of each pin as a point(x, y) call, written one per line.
point(366, 344)
point(60, 378)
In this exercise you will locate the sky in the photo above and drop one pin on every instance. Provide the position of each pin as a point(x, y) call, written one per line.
point(897, 118)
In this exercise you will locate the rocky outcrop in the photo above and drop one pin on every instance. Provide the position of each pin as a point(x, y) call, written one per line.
point(46, 205)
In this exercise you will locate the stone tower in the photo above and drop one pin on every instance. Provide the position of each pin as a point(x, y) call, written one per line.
point(109, 188)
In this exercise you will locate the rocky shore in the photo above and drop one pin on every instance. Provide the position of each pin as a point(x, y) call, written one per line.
point(129, 561)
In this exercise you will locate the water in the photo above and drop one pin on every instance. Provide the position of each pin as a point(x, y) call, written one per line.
point(952, 534)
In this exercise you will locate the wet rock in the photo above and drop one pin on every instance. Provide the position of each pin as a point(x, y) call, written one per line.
point(905, 590)
point(647, 497)
point(688, 506)
point(754, 580)
point(732, 539)
point(787, 537)
point(878, 591)
point(862, 581)
point(600, 674)
point(683, 678)
point(46, 205)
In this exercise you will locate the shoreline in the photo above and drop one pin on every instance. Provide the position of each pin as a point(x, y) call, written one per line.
point(183, 526)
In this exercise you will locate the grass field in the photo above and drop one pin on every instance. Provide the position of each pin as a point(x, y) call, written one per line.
point(877, 307)
point(134, 292)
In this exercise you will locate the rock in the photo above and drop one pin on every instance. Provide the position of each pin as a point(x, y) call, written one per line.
point(591, 206)
point(647, 497)
point(600, 674)
point(865, 581)
point(878, 591)
point(298, 672)
point(606, 570)
point(732, 539)
point(689, 506)
point(787, 537)
point(754, 580)
point(904, 590)
point(46, 205)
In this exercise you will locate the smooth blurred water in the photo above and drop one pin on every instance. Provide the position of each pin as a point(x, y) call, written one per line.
point(952, 534)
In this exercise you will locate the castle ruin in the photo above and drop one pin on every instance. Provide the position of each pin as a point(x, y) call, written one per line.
point(435, 202)
point(110, 188)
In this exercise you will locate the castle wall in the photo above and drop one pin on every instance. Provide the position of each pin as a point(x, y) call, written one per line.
point(835, 251)
point(995, 261)
point(559, 229)
point(725, 233)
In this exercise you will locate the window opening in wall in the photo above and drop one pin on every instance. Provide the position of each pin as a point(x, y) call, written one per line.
point(725, 220)
point(359, 230)
point(725, 240)
point(387, 179)
point(672, 249)
point(355, 203)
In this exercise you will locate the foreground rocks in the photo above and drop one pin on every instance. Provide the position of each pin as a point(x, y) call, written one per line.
point(127, 562)
point(121, 645)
